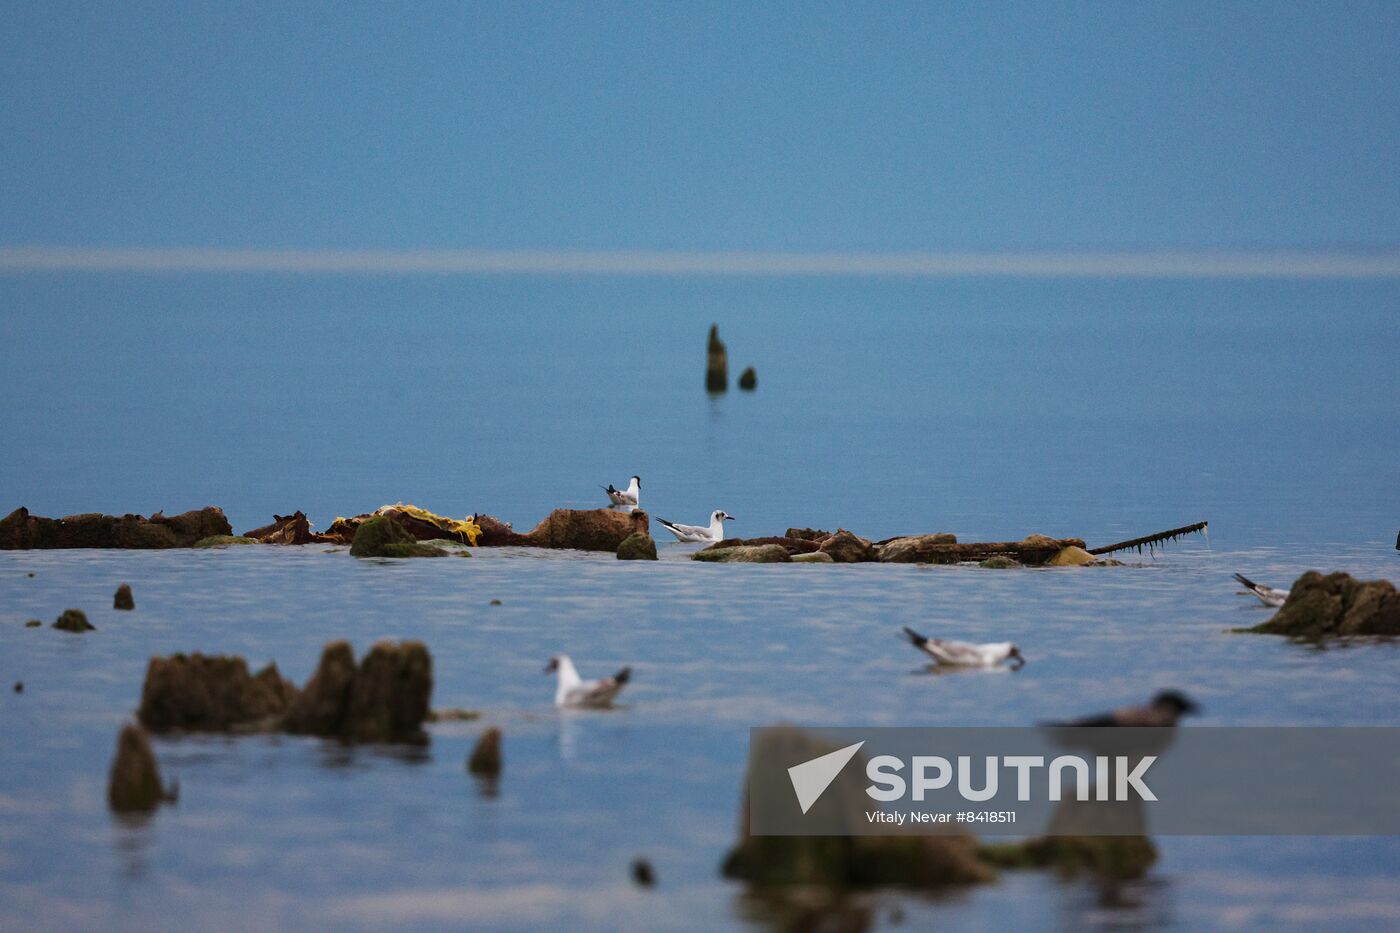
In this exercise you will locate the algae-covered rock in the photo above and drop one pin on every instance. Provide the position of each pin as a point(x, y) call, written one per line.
point(1071, 557)
point(912, 549)
point(74, 620)
point(319, 709)
point(745, 554)
point(214, 693)
point(385, 699)
point(791, 545)
point(134, 784)
point(485, 758)
point(1040, 541)
point(390, 693)
point(33, 623)
point(637, 546)
point(224, 541)
point(123, 598)
point(382, 536)
point(808, 534)
point(815, 557)
point(748, 380)
point(1336, 605)
point(999, 562)
point(20, 529)
point(848, 860)
point(845, 547)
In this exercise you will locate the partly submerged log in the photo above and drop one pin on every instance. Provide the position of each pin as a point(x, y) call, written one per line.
point(1151, 541)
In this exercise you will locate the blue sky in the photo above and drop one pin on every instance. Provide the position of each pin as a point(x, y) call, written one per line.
point(701, 127)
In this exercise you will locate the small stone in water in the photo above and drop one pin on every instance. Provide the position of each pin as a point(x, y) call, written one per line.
point(496, 602)
point(642, 873)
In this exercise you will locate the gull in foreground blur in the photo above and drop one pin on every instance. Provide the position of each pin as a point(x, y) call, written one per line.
point(966, 654)
point(698, 534)
point(632, 495)
point(1267, 594)
point(576, 693)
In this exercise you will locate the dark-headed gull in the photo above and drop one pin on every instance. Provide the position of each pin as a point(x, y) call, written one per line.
point(1164, 710)
point(632, 495)
point(577, 693)
point(698, 534)
point(1267, 594)
point(966, 654)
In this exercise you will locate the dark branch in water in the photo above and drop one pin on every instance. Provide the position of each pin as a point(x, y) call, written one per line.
point(1150, 540)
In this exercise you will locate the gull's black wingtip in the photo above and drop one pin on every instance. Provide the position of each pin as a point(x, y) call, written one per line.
point(1244, 581)
point(623, 676)
point(915, 639)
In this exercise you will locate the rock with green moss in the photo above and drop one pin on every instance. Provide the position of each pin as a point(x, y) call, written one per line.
point(211, 693)
point(74, 620)
point(913, 549)
point(1336, 605)
point(999, 562)
point(224, 541)
point(745, 554)
point(381, 536)
point(1118, 858)
point(33, 623)
point(815, 557)
point(637, 546)
point(454, 548)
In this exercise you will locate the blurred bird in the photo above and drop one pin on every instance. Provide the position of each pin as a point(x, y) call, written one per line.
point(698, 534)
point(967, 654)
point(577, 693)
point(1267, 594)
point(1165, 709)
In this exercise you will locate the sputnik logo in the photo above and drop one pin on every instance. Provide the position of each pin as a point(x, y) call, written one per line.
point(811, 778)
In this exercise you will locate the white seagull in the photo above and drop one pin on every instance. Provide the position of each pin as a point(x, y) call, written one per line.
point(698, 534)
point(1267, 594)
point(632, 495)
point(966, 654)
point(574, 692)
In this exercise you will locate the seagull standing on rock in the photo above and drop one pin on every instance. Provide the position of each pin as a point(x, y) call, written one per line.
point(966, 654)
point(698, 534)
point(574, 692)
point(631, 496)
point(1273, 598)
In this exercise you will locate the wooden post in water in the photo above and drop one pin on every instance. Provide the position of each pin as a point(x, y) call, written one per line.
point(717, 363)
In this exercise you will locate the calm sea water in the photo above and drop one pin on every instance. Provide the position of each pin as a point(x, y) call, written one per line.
point(991, 409)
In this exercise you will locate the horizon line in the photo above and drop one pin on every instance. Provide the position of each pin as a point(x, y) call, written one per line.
point(1159, 263)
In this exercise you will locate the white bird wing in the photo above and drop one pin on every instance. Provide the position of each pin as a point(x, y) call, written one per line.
point(596, 693)
point(686, 532)
point(956, 652)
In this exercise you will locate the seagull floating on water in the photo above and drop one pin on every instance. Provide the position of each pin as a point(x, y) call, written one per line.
point(576, 693)
point(632, 495)
point(699, 534)
point(966, 654)
point(1273, 598)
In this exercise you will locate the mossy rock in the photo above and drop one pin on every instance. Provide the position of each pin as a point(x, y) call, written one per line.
point(999, 562)
point(224, 541)
point(1337, 604)
point(74, 620)
point(453, 548)
point(745, 554)
point(815, 557)
point(381, 536)
point(637, 546)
